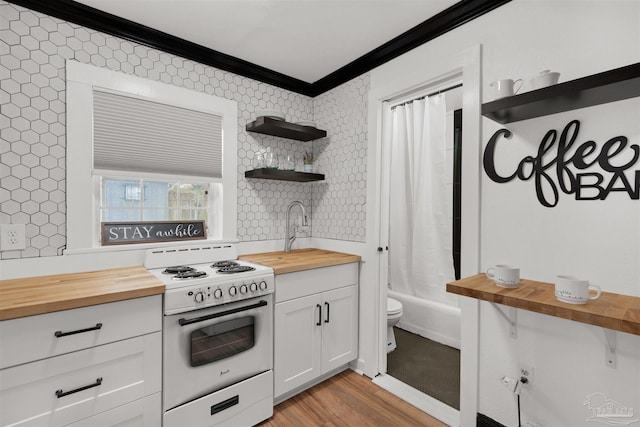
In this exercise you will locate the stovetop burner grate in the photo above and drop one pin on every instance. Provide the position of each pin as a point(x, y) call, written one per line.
point(177, 269)
point(235, 269)
point(223, 264)
point(189, 275)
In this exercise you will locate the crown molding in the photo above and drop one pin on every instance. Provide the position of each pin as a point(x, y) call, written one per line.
point(445, 21)
point(80, 14)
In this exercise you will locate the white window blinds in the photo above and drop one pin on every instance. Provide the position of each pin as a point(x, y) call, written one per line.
point(132, 134)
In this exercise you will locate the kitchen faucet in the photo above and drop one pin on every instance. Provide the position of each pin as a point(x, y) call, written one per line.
point(290, 237)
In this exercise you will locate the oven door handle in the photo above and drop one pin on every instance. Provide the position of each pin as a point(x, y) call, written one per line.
point(184, 322)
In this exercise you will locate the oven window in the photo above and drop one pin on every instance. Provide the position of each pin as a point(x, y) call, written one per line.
point(222, 340)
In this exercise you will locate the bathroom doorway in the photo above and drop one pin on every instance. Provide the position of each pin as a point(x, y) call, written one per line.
point(421, 218)
point(398, 82)
point(428, 358)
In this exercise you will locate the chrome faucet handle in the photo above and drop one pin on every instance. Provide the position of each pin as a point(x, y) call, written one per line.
point(293, 235)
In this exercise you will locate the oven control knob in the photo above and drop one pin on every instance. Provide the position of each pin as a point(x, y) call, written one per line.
point(243, 289)
point(233, 291)
point(199, 297)
point(263, 286)
point(217, 294)
point(253, 287)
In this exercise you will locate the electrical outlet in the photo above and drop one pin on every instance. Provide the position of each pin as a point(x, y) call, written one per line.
point(526, 371)
point(12, 237)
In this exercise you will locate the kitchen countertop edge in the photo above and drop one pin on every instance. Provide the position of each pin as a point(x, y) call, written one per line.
point(300, 259)
point(46, 294)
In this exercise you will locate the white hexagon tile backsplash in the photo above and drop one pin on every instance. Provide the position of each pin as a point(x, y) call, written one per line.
point(33, 51)
point(339, 203)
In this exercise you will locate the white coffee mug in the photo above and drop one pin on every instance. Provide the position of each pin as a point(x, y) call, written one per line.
point(504, 276)
point(574, 291)
point(505, 87)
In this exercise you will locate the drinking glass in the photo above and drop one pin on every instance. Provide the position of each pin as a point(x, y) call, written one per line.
point(271, 160)
point(289, 164)
point(258, 161)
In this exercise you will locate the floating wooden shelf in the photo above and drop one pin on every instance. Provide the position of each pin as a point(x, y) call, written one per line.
point(611, 311)
point(283, 129)
point(614, 85)
point(282, 175)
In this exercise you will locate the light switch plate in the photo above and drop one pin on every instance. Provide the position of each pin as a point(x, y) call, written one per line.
point(12, 237)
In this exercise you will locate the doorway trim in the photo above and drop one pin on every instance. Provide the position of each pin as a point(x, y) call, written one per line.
point(465, 67)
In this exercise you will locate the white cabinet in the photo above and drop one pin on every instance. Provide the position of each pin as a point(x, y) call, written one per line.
point(316, 324)
point(339, 327)
point(297, 343)
point(61, 369)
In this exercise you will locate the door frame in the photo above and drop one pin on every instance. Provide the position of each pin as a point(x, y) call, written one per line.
point(465, 67)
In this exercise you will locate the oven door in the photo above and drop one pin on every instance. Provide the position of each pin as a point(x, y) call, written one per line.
point(208, 349)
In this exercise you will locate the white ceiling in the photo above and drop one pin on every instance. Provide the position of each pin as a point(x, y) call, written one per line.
point(304, 39)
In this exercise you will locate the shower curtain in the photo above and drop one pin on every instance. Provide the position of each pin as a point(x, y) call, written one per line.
point(420, 223)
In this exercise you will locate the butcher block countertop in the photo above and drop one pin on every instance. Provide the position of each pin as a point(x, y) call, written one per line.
point(300, 259)
point(40, 295)
point(612, 311)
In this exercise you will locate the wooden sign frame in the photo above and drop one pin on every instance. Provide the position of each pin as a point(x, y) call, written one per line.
point(126, 233)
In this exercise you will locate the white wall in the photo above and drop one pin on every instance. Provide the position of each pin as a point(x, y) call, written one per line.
point(34, 152)
point(599, 240)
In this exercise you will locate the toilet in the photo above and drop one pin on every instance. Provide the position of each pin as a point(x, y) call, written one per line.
point(394, 313)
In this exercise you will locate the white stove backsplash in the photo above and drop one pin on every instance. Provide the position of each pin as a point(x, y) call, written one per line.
point(188, 255)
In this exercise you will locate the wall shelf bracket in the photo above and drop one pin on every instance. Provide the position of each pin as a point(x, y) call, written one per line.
point(610, 347)
point(512, 318)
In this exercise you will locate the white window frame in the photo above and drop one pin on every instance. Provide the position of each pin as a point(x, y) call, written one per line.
point(82, 210)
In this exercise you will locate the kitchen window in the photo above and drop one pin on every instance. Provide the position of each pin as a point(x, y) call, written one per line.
point(140, 150)
point(153, 200)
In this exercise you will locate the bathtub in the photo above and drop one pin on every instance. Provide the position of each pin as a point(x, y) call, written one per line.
point(436, 321)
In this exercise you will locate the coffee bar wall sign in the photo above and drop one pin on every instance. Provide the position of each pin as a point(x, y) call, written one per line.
point(588, 170)
point(120, 233)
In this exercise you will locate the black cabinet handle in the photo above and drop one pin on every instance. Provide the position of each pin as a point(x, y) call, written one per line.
point(327, 319)
point(319, 307)
point(59, 334)
point(60, 393)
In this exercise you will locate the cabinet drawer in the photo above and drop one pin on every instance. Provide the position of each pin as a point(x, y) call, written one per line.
point(64, 389)
point(33, 338)
point(314, 281)
point(241, 404)
point(146, 412)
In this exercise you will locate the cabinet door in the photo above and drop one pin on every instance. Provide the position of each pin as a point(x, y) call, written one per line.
point(297, 338)
point(339, 327)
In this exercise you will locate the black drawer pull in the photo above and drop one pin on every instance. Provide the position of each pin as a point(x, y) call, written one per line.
point(219, 407)
point(60, 393)
point(59, 334)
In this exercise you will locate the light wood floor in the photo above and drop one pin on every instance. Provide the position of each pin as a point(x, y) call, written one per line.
point(348, 399)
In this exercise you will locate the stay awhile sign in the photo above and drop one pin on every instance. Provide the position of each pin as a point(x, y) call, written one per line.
point(117, 233)
point(551, 171)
